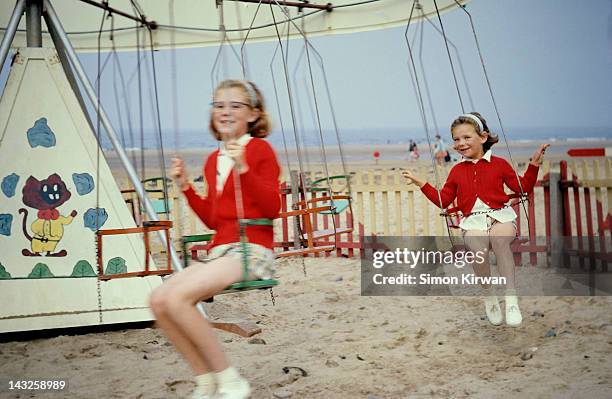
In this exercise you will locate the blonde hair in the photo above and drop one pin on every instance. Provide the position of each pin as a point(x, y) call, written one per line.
point(261, 126)
point(492, 137)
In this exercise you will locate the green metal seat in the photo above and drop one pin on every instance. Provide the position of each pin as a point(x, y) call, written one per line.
point(337, 207)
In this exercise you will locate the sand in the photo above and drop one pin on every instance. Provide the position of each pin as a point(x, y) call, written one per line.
point(349, 346)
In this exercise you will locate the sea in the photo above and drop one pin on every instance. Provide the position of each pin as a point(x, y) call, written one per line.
point(518, 138)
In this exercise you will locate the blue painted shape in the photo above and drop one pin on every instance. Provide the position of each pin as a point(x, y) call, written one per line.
point(41, 134)
point(90, 218)
point(9, 183)
point(5, 224)
point(84, 183)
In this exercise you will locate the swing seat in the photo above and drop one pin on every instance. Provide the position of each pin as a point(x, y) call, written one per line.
point(250, 285)
point(159, 206)
point(328, 205)
point(337, 207)
point(240, 285)
point(317, 185)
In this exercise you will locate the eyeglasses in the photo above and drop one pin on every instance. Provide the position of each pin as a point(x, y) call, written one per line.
point(233, 105)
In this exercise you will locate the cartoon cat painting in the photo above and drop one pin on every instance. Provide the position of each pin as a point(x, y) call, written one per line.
point(48, 229)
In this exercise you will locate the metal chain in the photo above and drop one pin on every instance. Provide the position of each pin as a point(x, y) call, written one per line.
point(98, 285)
point(272, 297)
point(485, 212)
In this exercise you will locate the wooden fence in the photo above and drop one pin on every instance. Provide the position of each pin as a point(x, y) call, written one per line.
point(570, 199)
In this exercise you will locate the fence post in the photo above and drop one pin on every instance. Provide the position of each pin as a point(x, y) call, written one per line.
point(296, 180)
point(557, 216)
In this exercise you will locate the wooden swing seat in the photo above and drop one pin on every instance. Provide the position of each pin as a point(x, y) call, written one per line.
point(329, 205)
point(147, 227)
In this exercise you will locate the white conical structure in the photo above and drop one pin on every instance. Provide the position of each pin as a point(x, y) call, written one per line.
point(49, 135)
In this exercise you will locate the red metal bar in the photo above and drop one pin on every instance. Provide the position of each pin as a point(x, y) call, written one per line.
point(546, 188)
point(146, 242)
point(589, 223)
point(533, 257)
point(349, 223)
point(587, 152)
point(284, 221)
point(337, 237)
point(518, 259)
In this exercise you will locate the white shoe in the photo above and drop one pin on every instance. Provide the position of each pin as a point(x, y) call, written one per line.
point(514, 318)
point(231, 385)
point(240, 389)
point(198, 394)
point(493, 310)
point(205, 386)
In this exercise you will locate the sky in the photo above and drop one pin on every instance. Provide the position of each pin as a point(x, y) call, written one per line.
point(549, 64)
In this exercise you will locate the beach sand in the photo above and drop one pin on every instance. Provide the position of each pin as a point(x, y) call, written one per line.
point(349, 346)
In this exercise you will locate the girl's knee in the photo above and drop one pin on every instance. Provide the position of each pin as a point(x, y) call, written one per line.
point(157, 301)
point(164, 301)
point(501, 242)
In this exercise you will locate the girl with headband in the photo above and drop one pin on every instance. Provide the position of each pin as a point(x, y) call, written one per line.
point(239, 121)
point(477, 183)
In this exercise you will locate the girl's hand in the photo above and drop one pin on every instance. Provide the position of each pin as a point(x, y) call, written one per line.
point(538, 157)
point(236, 152)
point(177, 172)
point(408, 175)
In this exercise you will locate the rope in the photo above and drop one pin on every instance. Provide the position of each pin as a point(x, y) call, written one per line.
point(497, 113)
point(243, 58)
point(280, 114)
point(290, 96)
point(424, 118)
point(458, 56)
point(162, 158)
point(98, 153)
point(425, 82)
point(334, 120)
point(178, 224)
point(450, 59)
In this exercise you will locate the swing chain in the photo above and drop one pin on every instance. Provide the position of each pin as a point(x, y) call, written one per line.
point(522, 199)
point(272, 297)
point(98, 285)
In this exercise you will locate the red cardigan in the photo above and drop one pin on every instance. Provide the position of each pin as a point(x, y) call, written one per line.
point(260, 193)
point(483, 179)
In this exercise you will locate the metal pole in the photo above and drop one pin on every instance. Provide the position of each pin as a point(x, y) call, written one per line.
point(33, 24)
point(78, 68)
point(9, 33)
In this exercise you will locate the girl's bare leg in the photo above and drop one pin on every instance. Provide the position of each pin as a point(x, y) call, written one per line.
point(478, 241)
point(501, 235)
point(174, 306)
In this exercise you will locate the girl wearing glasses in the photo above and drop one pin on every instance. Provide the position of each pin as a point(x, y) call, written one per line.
point(239, 121)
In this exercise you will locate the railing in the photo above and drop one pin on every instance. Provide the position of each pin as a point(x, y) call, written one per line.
point(575, 196)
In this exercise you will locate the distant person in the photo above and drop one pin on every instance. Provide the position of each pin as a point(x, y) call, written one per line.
point(413, 150)
point(440, 152)
point(477, 183)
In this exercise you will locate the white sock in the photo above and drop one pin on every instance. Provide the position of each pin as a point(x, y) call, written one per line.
point(230, 384)
point(205, 384)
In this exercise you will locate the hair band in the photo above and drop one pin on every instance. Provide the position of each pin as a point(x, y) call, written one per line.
point(251, 91)
point(475, 119)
